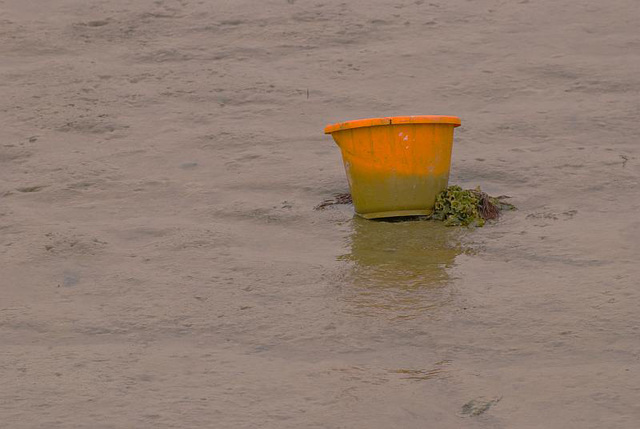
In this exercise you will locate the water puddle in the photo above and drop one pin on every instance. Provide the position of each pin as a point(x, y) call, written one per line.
point(399, 269)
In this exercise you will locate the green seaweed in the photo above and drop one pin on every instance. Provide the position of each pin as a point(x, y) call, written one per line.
point(467, 207)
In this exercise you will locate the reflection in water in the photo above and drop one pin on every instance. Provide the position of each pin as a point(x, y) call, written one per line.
point(399, 267)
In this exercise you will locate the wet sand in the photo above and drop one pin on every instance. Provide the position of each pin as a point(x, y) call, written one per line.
point(161, 264)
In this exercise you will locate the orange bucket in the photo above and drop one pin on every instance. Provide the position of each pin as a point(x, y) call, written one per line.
point(396, 166)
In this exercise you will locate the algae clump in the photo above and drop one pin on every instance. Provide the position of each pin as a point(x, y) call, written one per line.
point(467, 207)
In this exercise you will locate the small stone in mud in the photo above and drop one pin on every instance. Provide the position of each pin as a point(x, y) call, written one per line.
point(477, 407)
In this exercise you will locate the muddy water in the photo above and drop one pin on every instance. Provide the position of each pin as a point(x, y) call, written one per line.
point(398, 269)
point(162, 264)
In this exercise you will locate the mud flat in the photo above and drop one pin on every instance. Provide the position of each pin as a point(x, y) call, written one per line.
point(161, 263)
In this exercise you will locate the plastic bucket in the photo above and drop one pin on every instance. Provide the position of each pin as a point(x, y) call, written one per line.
point(396, 166)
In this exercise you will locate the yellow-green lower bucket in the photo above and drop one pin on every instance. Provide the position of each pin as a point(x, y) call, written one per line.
point(396, 166)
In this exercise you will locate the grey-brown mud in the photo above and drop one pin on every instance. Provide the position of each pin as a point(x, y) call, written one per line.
point(161, 264)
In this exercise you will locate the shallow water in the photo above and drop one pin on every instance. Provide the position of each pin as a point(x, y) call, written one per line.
point(166, 267)
point(398, 269)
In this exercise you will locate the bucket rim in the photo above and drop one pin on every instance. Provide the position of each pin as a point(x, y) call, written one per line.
point(393, 120)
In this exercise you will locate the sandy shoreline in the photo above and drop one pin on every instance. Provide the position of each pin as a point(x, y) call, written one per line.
point(161, 264)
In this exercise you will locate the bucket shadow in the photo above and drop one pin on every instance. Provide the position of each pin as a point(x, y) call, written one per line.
point(399, 269)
